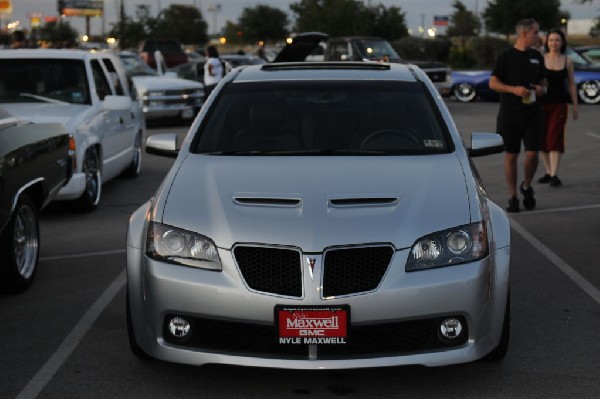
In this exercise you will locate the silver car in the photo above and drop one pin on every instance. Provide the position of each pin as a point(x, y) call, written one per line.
point(320, 216)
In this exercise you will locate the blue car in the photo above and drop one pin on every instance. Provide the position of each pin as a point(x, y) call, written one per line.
point(470, 85)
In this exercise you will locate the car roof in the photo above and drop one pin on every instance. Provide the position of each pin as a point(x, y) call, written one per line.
point(71, 54)
point(353, 71)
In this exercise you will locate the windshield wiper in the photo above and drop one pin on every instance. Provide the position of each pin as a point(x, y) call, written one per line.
point(42, 98)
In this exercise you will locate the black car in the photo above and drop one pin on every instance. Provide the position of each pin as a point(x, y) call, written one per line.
point(34, 164)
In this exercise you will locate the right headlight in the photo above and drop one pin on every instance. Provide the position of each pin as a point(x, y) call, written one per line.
point(172, 245)
point(450, 247)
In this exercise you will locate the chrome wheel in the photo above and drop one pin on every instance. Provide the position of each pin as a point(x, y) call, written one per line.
point(135, 167)
point(464, 92)
point(26, 241)
point(19, 247)
point(589, 91)
point(90, 198)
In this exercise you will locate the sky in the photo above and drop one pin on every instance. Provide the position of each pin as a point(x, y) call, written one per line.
point(417, 12)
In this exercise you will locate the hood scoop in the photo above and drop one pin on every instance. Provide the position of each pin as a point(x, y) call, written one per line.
point(269, 201)
point(360, 201)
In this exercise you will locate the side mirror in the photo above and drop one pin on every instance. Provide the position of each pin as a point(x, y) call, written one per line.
point(116, 103)
point(485, 144)
point(164, 145)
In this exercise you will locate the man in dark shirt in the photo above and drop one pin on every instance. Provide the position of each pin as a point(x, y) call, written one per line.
point(520, 77)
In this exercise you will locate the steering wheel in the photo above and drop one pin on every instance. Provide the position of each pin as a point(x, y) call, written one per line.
point(395, 135)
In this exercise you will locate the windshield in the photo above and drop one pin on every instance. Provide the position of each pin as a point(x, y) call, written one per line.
point(376, 49)
point(322, 118)
point(43, 80)
point(135, 66)
point(577, 59)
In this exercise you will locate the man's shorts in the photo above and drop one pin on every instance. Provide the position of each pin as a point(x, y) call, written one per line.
point(524, 125)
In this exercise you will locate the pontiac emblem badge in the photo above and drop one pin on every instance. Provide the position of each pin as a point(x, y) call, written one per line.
point(311, 265)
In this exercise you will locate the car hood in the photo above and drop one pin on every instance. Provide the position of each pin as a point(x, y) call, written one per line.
point(302, 45)
point(317, 202)
point(164, 83)
point(68, 115)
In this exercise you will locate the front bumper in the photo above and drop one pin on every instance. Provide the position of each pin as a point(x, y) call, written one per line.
point(172, 103)
point(73, 189)
point(477, 292)
point(168, 111)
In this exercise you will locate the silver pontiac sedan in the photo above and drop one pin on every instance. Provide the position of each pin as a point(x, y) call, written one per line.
point(320, 216)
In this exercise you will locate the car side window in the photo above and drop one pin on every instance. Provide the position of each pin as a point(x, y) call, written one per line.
point(339, 51)
point(102, 85)
point(112, 71)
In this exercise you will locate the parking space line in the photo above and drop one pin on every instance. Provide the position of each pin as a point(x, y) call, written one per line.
point(593, 135)
point(557, 261)
point(83, 255)
point(62, 353)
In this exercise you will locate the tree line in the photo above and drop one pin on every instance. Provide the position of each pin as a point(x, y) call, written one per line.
point(266, 24)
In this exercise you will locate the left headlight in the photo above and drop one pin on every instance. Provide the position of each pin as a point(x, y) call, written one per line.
point(450, 247)
point(170, 244)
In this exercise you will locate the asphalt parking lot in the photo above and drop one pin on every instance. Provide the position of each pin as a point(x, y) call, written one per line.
point(66, 337)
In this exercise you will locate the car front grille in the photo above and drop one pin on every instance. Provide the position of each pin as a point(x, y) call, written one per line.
point(191, 97)
point(271, 270)
point(354, 270)
point(346, 271)
point(363, 340)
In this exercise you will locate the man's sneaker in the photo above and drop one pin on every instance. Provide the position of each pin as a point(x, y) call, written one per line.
point(555, 181)
point(545, 179)
point(528, 198)
point(513, 205)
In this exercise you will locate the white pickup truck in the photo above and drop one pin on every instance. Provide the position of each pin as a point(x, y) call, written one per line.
point(88, 93)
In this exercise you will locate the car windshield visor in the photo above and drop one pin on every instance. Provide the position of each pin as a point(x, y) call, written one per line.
point(320, 118)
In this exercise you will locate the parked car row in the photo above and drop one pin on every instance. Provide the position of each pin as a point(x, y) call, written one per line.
point(471, 85)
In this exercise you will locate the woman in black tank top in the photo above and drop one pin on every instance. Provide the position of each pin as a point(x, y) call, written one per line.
point(561, 89)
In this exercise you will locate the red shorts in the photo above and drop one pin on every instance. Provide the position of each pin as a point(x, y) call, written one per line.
point(555, 120)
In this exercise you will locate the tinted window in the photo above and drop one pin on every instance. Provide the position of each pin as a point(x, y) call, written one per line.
point(112, 71)
point(102, 86)
point(27, 80)
point(373, 118)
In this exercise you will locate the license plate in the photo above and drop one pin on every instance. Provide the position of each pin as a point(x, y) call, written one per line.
point(312, 325)
point(187, 113)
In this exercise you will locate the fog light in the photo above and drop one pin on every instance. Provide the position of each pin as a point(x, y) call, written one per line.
point(179, 327)
point(451, 328)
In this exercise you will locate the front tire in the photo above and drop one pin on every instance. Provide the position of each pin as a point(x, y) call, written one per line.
point(90, 199)
point(19, 247)
point(589, 92)
point(464, 92)
point(133, 170)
